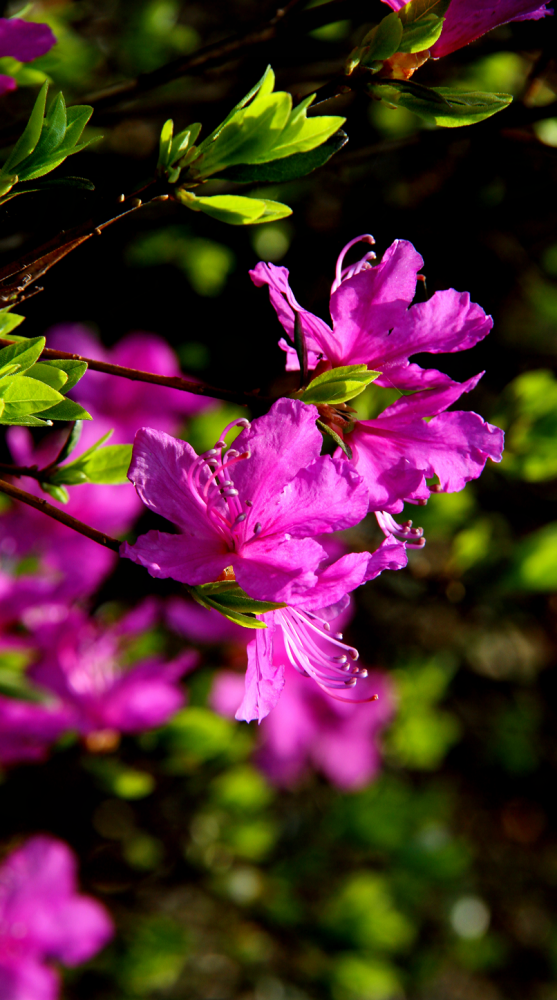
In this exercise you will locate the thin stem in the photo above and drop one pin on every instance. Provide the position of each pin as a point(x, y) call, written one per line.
point(59, 515)
point(170, 381)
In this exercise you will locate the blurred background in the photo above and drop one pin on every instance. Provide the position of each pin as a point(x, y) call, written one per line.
point(434, 874)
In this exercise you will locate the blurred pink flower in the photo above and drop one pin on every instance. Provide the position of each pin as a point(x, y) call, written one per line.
point(44, 919)
point(24, 41)
point(309, 729)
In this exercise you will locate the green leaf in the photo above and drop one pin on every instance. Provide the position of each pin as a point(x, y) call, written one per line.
point(93, 448)
point(289, 167)
point(383, 41)
point(165, 143)
point(263, 86)
point(77, 118)
point(8, 369)
point(247, 136)
point(422, 22)
point(338, 385)
point(229, 600)
point(336, 438)
point(54, 129)
point(30, 136)
point(25, 421)
point(302, 134)
point(25, 352)
point(66, 410)
point(23, 396)
point(75, 370)
point(235, 209)
point(57, 492)
point(53, 377)
point(440, 105)
point(108, 466)
point(9, 320)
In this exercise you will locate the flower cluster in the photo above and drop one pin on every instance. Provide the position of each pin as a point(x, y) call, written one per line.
point(257, 513)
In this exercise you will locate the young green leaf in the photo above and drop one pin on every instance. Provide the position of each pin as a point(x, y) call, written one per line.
point(422, 23)
point(336, 438)
point(338, 385)
point(382, 41)
point(30, 136)
point(235, 209)
point(108, 466)
point(165, 143)
point(9, 320)
point(23, 396)
point(263, 86)
point(57, 492)
point(54, 377)
point(440, 105)
point(24, 352)
point(302, 134)
point(248, 136)
point(74, 370)
point(66, 410)
point(289, 167)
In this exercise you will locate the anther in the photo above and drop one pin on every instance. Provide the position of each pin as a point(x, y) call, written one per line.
point(338, 635)
point(257, 528)
point(340, 659)
point(241, 517)
point(363, 672)
point(325, 626)
point(230, 493)
point(249, 503)
point(351, 682)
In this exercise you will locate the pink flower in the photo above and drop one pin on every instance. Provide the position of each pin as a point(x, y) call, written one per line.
point(301, 636)
point(80, 666)
point(466, 20)
point(27, 730)
point(274, 493)
point(398, 451)
point(24, 41)
point(44, 919)
point(372, 321)
point(309, 729)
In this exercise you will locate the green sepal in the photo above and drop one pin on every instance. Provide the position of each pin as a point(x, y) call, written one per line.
point(236, 210)
point(338, 385)
point(290, 167)
point(422, 23)
point(440, 105)
point(336, 438)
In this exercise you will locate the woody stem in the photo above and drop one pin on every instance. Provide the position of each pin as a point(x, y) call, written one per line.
point(59, 515)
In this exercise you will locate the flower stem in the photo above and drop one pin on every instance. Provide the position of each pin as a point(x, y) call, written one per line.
point(59, 515)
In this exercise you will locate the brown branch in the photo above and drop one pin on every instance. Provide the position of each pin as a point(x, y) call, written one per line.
point(59, 515)
point(169, 381)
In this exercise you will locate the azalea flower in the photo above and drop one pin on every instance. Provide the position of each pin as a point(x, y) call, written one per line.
point(24, 41)
point(466, 20)
point(253, 510)
point(79, 664)
point(374, 322)
point(302, 637)
point(399, 450)
point(27, 729)
point(310, 729)
point(44, 919)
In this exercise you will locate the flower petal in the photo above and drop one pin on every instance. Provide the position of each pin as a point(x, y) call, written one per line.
point(264, 682)
point(316, 331)
point(278, 569)
point(181, 557)
point(24, 40)
point(365, 307)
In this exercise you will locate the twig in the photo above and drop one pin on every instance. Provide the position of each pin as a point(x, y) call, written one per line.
point(58, 515)
point(170, 381)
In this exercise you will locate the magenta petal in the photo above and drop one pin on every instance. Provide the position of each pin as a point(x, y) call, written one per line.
point(278, 569)
point(264, 682)
point(336, 581)
point(391, 554)
point(280, 443)
point(366, 306)
point(24, 40)
point(327, 496)
point(181, 557)
point(466, 20)
point(316, 331)
point(27, 730)
point(143, 698)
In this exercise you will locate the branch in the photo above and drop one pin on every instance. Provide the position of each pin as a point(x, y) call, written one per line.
point(16, 277)
point(58, 515)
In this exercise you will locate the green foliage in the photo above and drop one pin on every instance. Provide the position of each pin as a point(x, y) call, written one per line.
point(421, 734)
point(45, 143)
point(155, 956)
point(107, 465)
point(32, 392)
point(338, 385)
point(289, 167)
point(382, 41)
point(230, 601)
point(117, 778)
point(356, 977)
point(206, 263)
point(529, 415)
point(534, 561)
point(235, 209)
point(445, 106)
point(422, 22)
point(363, 913)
